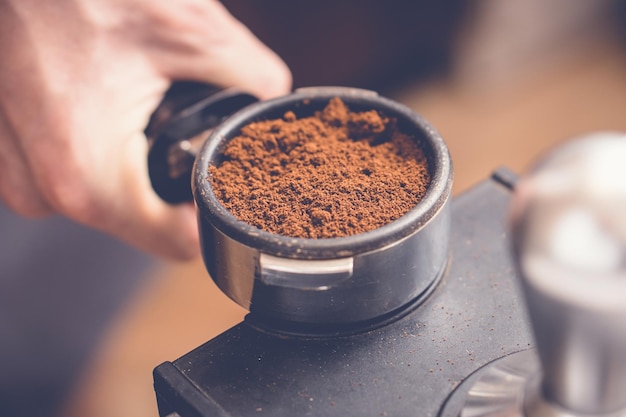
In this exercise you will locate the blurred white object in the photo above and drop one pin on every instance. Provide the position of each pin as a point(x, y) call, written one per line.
point(569, 231)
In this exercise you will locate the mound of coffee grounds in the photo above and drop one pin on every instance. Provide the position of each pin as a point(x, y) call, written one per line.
point(335, 174)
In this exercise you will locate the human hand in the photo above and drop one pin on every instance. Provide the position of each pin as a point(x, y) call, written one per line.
point(78, 82)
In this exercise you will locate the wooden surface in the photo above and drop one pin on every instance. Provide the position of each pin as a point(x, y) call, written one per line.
point(179, 309)
point(485, 126)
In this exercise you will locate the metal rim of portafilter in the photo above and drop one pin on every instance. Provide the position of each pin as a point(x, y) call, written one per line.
point(326, 282)
point(335, 285)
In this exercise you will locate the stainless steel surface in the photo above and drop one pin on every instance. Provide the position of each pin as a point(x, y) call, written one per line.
point(500, 389)
point(569, 231)
point(327, 281)
point(511, 387)
point(318, 275)
point(536, 405)
point(360, 288)
point(228, 261)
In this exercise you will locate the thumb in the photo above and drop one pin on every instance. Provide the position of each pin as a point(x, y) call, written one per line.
point(202, 41)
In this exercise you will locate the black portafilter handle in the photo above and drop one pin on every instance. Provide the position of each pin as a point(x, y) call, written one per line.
point(179, 127)
point(569, 232)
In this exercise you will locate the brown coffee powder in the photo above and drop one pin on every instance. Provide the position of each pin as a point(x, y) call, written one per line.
point(337, 173)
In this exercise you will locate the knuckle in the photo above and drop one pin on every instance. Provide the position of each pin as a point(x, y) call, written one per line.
point(72, 199)
point(21, 197)
point(26, 204)
point(63, 180)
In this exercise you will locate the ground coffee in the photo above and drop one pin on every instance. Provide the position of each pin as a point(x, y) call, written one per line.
point(337, 173)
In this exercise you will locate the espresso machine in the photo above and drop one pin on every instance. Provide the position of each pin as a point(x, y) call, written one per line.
point(508, 300)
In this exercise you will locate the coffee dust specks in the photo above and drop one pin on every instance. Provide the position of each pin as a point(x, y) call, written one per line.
point(334, 174)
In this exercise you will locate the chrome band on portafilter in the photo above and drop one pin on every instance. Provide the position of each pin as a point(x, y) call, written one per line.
point(326, 283)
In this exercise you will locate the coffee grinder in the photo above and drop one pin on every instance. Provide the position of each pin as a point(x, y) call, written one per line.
point(425, 316)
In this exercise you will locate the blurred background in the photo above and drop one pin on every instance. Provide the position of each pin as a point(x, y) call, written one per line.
point(501, 81)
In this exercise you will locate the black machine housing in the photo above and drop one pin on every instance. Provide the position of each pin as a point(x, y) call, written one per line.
point(417, 363)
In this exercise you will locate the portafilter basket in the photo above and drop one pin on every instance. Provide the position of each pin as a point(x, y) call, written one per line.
point(331, 283)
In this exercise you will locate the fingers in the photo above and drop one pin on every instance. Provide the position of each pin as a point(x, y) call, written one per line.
point(85, 163)
point(17, 187)
point(85, 158)
point(141, 218)
point(201, 40)
point(113, 194)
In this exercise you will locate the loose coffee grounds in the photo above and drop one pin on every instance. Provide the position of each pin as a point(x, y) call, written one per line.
point(334, 174)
